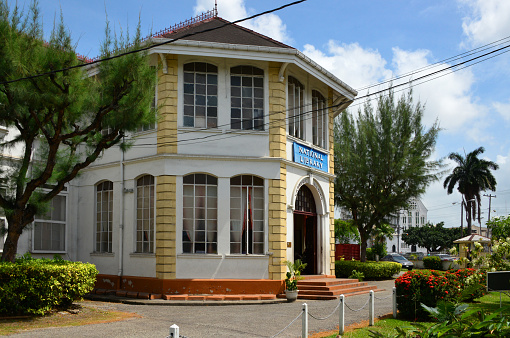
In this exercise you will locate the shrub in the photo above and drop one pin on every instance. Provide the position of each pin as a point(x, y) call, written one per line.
point(432, 263)
point(35, 286)
point(431, 286)
point(421, 287)
point(371, 270)
point(357, 275)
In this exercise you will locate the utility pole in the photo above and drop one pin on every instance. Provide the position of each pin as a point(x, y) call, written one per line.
point(490, 200)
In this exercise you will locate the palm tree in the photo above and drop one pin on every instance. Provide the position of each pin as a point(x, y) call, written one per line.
point(472, 175)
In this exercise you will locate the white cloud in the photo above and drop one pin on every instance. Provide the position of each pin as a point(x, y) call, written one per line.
point(503, 109)
point(501, 159)
point(351, 63)
point(447, 98)
point(270, 24)
point(488, 21)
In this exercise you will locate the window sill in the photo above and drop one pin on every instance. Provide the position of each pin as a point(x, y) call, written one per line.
point(306, 143)
point(199, 255)
point(142, 255)
point(46, 252)
point(103, 254)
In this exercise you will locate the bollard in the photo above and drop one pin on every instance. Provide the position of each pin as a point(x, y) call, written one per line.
point(394, 302)
point(371, 308)
point(341, 320)
point(174, 331)
point(304, 331)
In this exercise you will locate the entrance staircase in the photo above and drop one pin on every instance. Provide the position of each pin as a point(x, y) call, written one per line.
point(325, 287)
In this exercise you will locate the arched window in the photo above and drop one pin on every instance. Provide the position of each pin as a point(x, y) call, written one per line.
point(104, 216)
point(246, 215)
point(200, 214)
point(200, 95)
point(145, 214)
point(305, 201)
point(296, 108)
point(319, 119)
point(247, 98)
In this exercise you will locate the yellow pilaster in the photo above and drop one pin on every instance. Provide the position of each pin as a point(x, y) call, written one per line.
point(165, 227)
point(331, 124)
point(277, 205)
point(167, 101)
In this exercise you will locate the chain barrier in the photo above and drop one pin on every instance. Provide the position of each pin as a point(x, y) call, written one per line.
point(384, 298)
point(324, 318)
point(361, 308)
point(286, 327)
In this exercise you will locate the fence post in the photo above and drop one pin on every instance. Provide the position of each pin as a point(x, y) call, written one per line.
point(371, 308)
point(394, 302)
point(304, 330)
point(174, 331)
point(341, 320)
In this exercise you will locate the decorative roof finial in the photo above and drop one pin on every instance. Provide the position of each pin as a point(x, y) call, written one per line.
point(215, 7)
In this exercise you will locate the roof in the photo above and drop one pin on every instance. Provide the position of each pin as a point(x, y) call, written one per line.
point(229, 33)
point(473, 238)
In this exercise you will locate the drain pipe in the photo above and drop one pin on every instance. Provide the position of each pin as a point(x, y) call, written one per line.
point(121, 224)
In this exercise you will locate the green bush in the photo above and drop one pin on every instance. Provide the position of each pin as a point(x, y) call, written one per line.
point(432, 263)
point(431, 286)
point(35, 286)
point(371, 270)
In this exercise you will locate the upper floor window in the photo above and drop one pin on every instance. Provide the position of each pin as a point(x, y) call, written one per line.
point(145, 214)
point(200, 214)
point(296, 108)
point(319, 119)
point(247, 98)
point(246, 215)
point(50, 227)
point(200, 95)
point(104, 216)
point(422, 220)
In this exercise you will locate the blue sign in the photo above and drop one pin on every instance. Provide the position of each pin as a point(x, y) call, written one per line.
point(310, 157)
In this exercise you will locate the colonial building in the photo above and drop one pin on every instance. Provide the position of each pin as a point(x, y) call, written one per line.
point(235, 178)
point(414, 216)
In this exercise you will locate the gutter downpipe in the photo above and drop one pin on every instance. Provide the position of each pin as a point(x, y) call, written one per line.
point(121, 223)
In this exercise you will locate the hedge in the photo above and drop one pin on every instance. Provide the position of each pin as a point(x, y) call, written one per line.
point(432, 263)
point(371, 270)
point(430, 286)
point(35, 286)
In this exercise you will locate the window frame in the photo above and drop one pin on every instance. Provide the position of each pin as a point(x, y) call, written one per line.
point(3, 237)
point(320, 119)
point(209, 115)
point(152, 216)
point(52, 223)
point(256, 76)
point(296, 114)
point(210, 223)
point(110, 214)
point(255, 221)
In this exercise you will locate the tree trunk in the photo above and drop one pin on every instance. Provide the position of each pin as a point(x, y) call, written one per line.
point(363, 248)
point(469, 218)
point(10, 246)
point(16, 222)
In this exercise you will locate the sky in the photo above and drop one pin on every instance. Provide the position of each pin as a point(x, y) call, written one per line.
point(363, 43)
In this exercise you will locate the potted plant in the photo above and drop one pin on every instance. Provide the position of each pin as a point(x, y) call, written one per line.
point(293, 275)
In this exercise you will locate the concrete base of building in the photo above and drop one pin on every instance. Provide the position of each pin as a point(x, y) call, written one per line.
point(190, 286)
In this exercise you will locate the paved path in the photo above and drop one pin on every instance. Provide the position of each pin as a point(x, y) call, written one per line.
point(222, 320)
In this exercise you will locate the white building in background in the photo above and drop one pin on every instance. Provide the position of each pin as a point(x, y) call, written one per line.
point(414, 216)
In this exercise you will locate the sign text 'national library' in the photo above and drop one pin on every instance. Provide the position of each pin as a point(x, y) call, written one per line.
point(310, 157)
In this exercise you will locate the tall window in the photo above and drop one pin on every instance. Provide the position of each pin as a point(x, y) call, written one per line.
point(200, 95)
point(246, 215)
point(417, 218)
point(296, 108)
point(3, 233)
point(410, 218)
point(422, 220)
point(50, 227)
point(145, 214)
point(247, 98)
point(319, 119)
point(104, 216)
point(200, 214)
point(152, 125)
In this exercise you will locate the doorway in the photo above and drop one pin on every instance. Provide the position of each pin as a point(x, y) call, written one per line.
point(305, 231)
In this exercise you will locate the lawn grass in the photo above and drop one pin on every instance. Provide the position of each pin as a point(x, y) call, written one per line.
point(83, 315)
point(487, 303)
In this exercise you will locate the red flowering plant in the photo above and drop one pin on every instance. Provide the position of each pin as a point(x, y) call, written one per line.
point(468, 283)
point(422, 287)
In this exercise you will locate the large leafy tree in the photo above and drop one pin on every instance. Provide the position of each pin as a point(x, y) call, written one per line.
point(431, 237)
point(61, 122)
point(499, 227)
point(472, 175)
point(382, 159)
